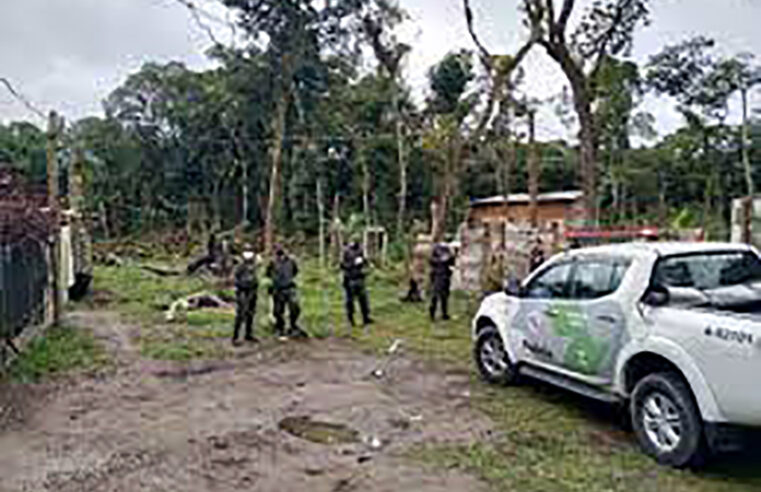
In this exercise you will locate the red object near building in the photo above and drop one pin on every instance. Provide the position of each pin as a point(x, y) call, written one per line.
point(612, 234)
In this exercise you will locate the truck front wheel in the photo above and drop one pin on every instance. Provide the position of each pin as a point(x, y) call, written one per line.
point(666, 420)
point(491, 358)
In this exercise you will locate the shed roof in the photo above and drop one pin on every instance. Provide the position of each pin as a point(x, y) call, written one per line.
point(517, 198)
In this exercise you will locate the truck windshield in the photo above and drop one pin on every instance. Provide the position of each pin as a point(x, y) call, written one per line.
point(709, 271)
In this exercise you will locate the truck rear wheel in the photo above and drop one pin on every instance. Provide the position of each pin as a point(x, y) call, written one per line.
point(491, 358)
point(666, 420)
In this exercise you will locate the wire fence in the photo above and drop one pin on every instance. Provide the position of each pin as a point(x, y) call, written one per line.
point(24, 233)
point(23, 281)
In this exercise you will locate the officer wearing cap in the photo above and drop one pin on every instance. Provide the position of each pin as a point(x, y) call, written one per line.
point(353, 265)
point(246, 286)
point(282, 271)
point(442, 264)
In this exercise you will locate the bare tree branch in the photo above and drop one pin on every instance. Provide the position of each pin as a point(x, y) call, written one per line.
point(31, 107)
point(551, 17)
point(606, 37)
point(565, 14)
point(486, 57)
point(499, 83)
point(197, 14)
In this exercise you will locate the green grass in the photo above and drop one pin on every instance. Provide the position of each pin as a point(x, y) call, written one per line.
point(60, 350)
point(142, 293)
point(545, 439)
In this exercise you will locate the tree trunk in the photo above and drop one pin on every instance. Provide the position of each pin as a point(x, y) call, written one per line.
point(218, 205)
point(321, 222)
point(401, 157)
point(337, 239)
point(366, 178)
point(438, 217)
point(662, 206)
point(441, 208)
point(745, 150)
point(275, 171)
point(245, 192)
point(533, 172)
point(588, 157)
point(104, 221)
point(582, 102)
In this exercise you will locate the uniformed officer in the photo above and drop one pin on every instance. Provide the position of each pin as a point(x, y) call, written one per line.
point(246, 285)
point(283, 271)
point(353, 265)
point(213, 253)
point(536, 256)
point(442, 263)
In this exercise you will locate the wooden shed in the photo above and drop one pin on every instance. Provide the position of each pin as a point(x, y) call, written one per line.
point(555, 208)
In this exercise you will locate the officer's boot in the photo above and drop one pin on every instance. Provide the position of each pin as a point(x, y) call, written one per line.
point(250, 329)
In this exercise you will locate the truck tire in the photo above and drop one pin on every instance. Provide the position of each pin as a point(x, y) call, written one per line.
point(666, 420)
point(491, 358)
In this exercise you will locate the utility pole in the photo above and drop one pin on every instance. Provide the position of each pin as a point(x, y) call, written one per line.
point(54, 126)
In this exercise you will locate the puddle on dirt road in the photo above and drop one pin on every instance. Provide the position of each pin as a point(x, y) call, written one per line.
point(319, 432)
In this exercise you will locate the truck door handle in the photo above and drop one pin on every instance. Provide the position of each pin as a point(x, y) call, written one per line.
point(606, 319)
point(552, 313)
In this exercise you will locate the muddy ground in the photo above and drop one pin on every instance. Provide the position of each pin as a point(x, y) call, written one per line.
point(293, 416)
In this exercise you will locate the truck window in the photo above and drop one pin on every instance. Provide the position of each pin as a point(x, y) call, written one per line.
point(550, 284)
point(707, 271)
point(597, 278)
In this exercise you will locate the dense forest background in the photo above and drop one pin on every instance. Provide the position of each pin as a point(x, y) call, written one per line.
point(319, 95)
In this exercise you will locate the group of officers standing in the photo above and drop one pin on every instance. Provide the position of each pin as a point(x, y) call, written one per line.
point(283, 270)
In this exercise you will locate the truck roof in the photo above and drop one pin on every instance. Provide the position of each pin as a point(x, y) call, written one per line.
point(662, 249)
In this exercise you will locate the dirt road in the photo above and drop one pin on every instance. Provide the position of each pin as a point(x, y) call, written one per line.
point(279, 417)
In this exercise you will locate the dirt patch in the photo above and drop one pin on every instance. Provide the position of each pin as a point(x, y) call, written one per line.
point(279, 417)
point(18, 402)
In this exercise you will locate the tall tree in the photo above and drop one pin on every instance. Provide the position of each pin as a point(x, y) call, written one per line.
point(606, 29)
point(390, 52)
point(702, 85)
point(297, 33)
point(739, 73)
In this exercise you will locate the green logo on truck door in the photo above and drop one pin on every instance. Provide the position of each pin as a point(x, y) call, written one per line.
point(583, 353)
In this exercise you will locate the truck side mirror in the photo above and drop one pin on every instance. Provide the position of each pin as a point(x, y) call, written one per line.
point(656, 296)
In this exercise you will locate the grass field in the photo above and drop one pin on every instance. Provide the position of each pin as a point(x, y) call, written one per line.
point(62, 350)
point(546, 439)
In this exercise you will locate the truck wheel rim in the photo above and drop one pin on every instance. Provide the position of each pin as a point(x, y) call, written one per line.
point(662, 422)
point(493, 357)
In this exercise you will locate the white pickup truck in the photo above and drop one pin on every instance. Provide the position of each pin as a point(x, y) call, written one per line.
point(671, 330)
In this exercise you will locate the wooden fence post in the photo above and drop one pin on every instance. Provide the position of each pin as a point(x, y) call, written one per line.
point(53, 205)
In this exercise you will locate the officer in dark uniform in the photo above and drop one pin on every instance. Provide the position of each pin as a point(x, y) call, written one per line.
point(442, 263)
point(246, 285)
point(353, 265)
point(213, 254)
point(283, 271)
point(536, 256)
